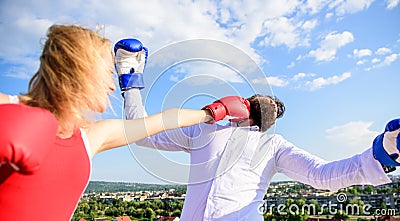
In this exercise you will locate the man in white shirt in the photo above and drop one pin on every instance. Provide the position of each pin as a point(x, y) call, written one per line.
point(231, 166)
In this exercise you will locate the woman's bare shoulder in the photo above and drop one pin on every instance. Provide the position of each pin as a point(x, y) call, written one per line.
point(105, 134)
point(4, 99)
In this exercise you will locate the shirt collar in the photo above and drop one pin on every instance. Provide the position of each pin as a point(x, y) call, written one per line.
point(236, 124)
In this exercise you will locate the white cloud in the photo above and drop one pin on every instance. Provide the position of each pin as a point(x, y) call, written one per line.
point(361, 53)
point(388, 60)
point(329, 15)
point(272, 81)
point(174, 78)
point(279, 23)
point(18, 75)
point(343, 7)
point(21, 67)
point(281, 31)
point(301, 76)
point(361, 62)
point(26, 22)
point(202, 73)
point(355, 133)
point(210, 53)
point(26, 42)
point(315, 6)
point(240, 10)
point(308, 25)
point(300, 81)
point(375, 60)
point(280, 26)
point(392, 3)
point(248, 19)
point(161, 26)
point(383, 51)
point(321, 82)
point(330, 44)
point(224, 15)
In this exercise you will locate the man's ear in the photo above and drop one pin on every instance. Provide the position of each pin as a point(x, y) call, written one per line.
point(246, 122)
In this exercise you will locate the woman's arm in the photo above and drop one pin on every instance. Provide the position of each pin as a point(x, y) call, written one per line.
point(108, 134)
point(4, 99)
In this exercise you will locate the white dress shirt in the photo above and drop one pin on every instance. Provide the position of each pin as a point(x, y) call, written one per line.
point(231, 167)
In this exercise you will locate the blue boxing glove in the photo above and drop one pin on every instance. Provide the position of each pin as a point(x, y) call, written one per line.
point(386, 146)
point(130, 61)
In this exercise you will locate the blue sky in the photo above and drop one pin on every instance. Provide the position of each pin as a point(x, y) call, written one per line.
point(333, 63)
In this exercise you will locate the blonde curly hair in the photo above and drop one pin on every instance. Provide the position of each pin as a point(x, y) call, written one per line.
point(71, 79)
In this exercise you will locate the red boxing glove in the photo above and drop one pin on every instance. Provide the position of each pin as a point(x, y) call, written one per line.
point(26, 135)
point(232, 108)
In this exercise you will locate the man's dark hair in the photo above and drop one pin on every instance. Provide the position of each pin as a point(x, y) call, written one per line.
point(262, 110)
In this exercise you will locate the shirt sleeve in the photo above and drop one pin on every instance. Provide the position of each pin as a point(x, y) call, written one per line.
point(360, 169)
point(172, 140)
point(133, 107)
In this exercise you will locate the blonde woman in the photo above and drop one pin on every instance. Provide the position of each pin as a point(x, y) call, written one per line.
point(74, 79)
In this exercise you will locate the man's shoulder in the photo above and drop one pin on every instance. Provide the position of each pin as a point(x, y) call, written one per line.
point(271, 137)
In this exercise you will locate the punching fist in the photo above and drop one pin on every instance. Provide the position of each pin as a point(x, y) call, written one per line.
point(386, 146)
point(26, 135)
point(130, 61)
point(232, 108)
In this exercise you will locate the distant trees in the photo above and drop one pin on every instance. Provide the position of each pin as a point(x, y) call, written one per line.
point(144, 210)
point(101, 186)
point(148, 210)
